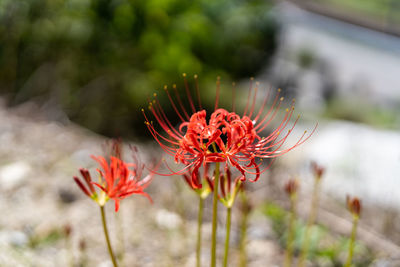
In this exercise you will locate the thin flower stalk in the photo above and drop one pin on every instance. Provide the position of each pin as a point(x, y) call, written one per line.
point(68, 245)
point(83, 259)
point(202, 193)
point(109, 247)
point(229, 191)
point(354, 206)
point(291, 188)
point(318, 172)
point(227, 236)
point(199, 228)
point(214, 218)
point(245, 208)
point(120, 237)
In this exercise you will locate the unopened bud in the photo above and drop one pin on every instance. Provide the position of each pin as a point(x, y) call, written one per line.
point(292, 186)
point(317, 170)
point(82, 245)
point(353, 205)
point(67, 230)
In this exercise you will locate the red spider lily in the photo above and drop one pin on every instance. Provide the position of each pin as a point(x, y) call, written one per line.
point(117, 181)
point(198, 142)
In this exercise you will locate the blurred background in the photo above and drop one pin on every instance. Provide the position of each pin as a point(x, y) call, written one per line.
point(76, 72)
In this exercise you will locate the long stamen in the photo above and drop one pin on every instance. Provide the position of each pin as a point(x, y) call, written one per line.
point(196, 82)
point(173, 104)
point(180, 102)
point(233, 96)
point(254, 99)
point(189, 96)
point(276, 152)
point(164, 116)
point(282, 126)
point(263, 105)
point(110, 250)
point(269, 110)
point(275, 109)
point(169, 150)
point(162, 123)
point(217, 93)
point(248, 96)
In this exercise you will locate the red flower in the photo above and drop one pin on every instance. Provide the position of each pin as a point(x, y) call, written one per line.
point(226, 137)
point(117, 181)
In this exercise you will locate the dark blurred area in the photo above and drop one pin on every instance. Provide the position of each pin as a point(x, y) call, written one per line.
point(100, 61)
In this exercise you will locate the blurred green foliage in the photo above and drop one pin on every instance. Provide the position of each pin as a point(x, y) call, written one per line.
point(100, 60)
point(326, 247)
point(360, 111)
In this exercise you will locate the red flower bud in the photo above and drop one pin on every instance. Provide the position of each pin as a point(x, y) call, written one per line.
point(318, 170)
point(292, 186)
point(354, 205)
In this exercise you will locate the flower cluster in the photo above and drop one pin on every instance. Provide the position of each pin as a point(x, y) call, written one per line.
point(117, 180)
point(225, 137)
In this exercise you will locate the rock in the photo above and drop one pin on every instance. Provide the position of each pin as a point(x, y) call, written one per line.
point(12, 175)
point(386, 263)
point(13, 238)
point(107, 263)
point(66, 196)
point(168, 220)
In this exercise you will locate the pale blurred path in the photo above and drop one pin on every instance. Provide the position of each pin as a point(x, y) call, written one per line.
point(359, 56)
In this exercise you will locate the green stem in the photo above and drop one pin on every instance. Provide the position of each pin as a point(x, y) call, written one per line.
point(214, 218)
point(243, 231)
point(290, 239)
point(70, 252)
point(199, 223)
point(228, 232)
point(83, 259)
point(311, 219)
point(352, 240)
point(120, 237)
point(110, 251)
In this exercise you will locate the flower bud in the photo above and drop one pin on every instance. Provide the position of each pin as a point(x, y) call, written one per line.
point(318, 170)
point(292, 186)
point(67, 230)
point(353, 205)
point(82, 245)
